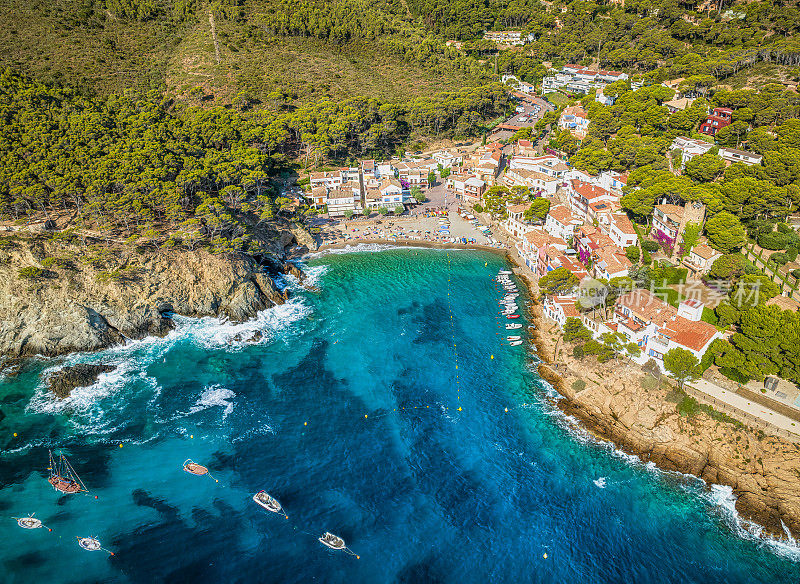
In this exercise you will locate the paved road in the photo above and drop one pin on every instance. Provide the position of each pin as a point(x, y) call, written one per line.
point(743, 404)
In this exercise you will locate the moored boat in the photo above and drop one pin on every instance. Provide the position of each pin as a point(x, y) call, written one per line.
point(512, 316)
point(263, 499)
point(515, 343)
point(332, 541)
point(89, 543)
point(513, 338)
point(192, 467)
point(513, 325)
point(63, 477)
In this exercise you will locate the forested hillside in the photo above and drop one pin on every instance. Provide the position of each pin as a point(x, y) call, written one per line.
point(262, 52)
point(139, 162)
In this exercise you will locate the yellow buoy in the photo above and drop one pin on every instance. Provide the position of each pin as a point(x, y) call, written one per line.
point(365, 415)
point(15, 434)
point(191, 435)
point(545, 556)
point(120, 445)
point(459, 408)
point(492, 356)
point(305, 423)
point(506, 409)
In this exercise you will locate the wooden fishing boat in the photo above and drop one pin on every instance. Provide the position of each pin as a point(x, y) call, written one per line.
point(512, 316)
point(192, 467)
point(63, 477)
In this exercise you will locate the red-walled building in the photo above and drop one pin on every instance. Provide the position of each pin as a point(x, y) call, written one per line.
point(719, 118)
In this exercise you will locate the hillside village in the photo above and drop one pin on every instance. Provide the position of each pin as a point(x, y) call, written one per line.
point(564, 221)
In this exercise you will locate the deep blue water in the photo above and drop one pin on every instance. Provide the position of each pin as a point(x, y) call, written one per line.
point(347, 412)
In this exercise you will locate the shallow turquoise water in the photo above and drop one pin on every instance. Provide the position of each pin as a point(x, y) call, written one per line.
point(347, 412)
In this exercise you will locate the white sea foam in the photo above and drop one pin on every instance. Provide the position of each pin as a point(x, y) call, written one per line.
point(725, 501)
point(600, 483)
point(132, 359)
point(214, 396)
point(720, 496)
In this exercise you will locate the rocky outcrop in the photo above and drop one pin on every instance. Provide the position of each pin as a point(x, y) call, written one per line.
point(88, 303)
point(64, 381)
point(640, 416)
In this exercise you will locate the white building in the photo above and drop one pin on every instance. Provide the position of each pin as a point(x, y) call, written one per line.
point(561, 223)
point(621, 231)
point(731, 155)
point(658, 327)
point(689, 148)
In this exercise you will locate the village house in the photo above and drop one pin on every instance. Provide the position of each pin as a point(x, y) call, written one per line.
point(532, 245)
point(689, 148)
point(344, 198)
point(575, 119)
point(580, 195)
point(391, 192)
point(621, 231)
point(560, 308)
point(369, 170)
point(678, 104)
point(719, 118)
point(448, 159)
point(603, 98)
point(473, 190)
point(329, 180)
point(549, 165)
point(515, 224)
point(524, 148)
point(507, 37)
point(731, 155)
point(600, 213)
point(700, 259)
point(561, 223)
point(386, 169)
point(538, 183)
point(609, 262)
point(658, 327)
point(317, 196)
point(667, 220)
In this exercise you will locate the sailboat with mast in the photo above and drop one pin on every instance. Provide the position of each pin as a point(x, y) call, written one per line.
point(63, 477)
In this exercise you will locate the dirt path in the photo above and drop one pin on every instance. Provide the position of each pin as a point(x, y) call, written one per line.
point(214, 34)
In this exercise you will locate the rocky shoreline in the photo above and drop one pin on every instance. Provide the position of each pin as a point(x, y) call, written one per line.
point(640, 417)
point(60, 295)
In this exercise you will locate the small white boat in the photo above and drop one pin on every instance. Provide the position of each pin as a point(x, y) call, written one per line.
point(505, 272)
point(332, 541)
point(90, 544)
point(513, 325)
point(29, 522)
point(515, 343)
point(514, 338)
point(263, 499)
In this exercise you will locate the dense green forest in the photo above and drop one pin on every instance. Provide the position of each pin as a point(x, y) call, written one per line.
point(303, 51)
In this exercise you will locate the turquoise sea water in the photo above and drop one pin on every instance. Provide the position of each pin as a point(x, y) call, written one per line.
point(347, 412)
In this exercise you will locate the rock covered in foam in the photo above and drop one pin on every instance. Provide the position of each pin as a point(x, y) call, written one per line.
point(65, 380)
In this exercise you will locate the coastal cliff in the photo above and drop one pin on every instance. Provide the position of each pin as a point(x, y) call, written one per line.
point(65, 294)
point(619, 404)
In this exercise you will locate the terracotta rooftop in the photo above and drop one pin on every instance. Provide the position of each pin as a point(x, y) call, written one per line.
point(687, 333)
point(647, 306)
point(705, 252)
